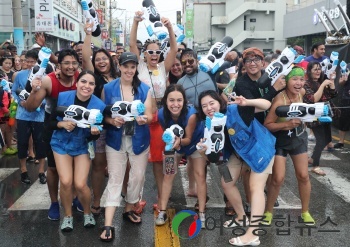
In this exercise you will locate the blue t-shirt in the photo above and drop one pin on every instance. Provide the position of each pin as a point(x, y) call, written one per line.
point(22, 113)
point(312, 58)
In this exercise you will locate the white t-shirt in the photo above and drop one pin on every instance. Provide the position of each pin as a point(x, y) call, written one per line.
point(155, 79)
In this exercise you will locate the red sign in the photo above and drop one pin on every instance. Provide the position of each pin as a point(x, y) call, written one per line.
point(100, 15)
point(104, 34)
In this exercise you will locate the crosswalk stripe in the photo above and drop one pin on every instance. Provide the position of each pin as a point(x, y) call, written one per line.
point(35, 198)
point(5, 172)
point(325, 154)
point(335, 182)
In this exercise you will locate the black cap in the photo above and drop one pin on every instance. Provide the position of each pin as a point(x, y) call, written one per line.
point(128, 57)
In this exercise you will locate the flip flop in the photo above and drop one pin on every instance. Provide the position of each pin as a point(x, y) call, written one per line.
point(109, 230)
point(131, 216)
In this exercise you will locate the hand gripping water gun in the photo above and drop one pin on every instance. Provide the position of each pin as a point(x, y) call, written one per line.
point(6, 85)
point(281, 66)
point(127, 110)
point(343, 68)
point(165, 44)
point(90, 15)
point(24, 95)
point(83, 117)
point(39, 68)
point(13, 110)
point(306, 112)
point(216, 55)
point(214, 137)
point(169, 136)
point(329, 65)
point(152, 17)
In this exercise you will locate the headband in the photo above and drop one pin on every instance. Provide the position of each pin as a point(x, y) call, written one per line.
point(296, 71)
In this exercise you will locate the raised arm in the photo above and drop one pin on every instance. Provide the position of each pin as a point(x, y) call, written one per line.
point(87, 63)
point(169, 61)
point(259, 104)
point(133, 33)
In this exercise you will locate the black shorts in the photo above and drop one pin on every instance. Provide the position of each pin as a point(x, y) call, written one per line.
point(298, 150)
point(47, 139)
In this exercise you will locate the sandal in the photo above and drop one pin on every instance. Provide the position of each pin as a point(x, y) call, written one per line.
point(109, 230)
point(132, 217)
point(229, 211)
point(196, 206)
point(96, 209)
point(318, 171)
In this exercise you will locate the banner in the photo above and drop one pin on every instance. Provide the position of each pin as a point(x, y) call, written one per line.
point(43, 16)
point(189, 20)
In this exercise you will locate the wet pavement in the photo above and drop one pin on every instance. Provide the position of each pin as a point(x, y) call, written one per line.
point(24, 211)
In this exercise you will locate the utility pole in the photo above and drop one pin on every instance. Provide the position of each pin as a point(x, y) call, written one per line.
point(17, 25)
point(29, 25)
point(110, 19)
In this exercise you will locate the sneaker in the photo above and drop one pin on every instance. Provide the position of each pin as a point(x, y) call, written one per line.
point(67, 224)
point(77, 205)
point(10, 151)
point(267, 219)
point(54, 211)
point(202, 219)
point(311, 138)
point(161, 218)
point(25, 178)
point(42, 178)
point(247, 209)
point(89, 220)
point(338, 145)
point(307, 219)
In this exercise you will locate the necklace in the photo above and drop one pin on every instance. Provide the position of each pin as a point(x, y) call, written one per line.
point(289, 98)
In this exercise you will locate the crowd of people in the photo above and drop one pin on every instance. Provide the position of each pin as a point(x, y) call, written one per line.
point(173, 91)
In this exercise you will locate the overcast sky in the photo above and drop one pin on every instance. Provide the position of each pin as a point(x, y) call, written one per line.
point(166, 8)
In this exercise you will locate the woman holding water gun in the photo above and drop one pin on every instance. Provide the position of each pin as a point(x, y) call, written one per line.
point(176, 111)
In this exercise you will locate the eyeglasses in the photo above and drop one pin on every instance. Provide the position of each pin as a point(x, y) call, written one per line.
point(151, 52)
point(255, 60)
point(74, 64)
point(190, 61)
point(101, 59)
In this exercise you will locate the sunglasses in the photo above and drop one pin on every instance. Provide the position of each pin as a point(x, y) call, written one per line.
point(151, 52)
point(190, 61)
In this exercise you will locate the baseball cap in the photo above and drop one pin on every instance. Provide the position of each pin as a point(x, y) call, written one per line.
point(253, 51)
point(128, 57)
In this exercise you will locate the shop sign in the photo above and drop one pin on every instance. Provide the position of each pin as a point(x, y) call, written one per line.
point(43, 10)
point(65, 27)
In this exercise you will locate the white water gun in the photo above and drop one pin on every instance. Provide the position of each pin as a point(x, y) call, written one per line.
point(331, 64)
point(169, 136)
point(127, 110)
point(216, 55)
point(151, 15)
point(308, 113)
point(343, 68)
point(179, 32)
point(281, 66)
point(90, 15)
point(83, 117)
point(165, 47)
point(39, 69)
point(24, 95)
point(6, 85)
point(214, 137)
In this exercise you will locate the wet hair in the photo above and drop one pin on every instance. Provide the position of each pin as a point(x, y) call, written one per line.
point(67, 52)
point(32, 54)
point(188, 51)
point(3, 58)
point(113, 70)
point(184, 44)
point(309, 74)
point(215, 96)
point(166, 113)
point(148, 42)
point(173, 79)
point(315, 46)
point(84, 72)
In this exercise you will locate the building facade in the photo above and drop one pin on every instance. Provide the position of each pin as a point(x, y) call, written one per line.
point(249, 22)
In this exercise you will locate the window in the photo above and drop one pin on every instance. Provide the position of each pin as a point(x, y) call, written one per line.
point(253, 20)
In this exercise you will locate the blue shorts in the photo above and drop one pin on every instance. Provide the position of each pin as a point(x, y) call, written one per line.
point(57, 147)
